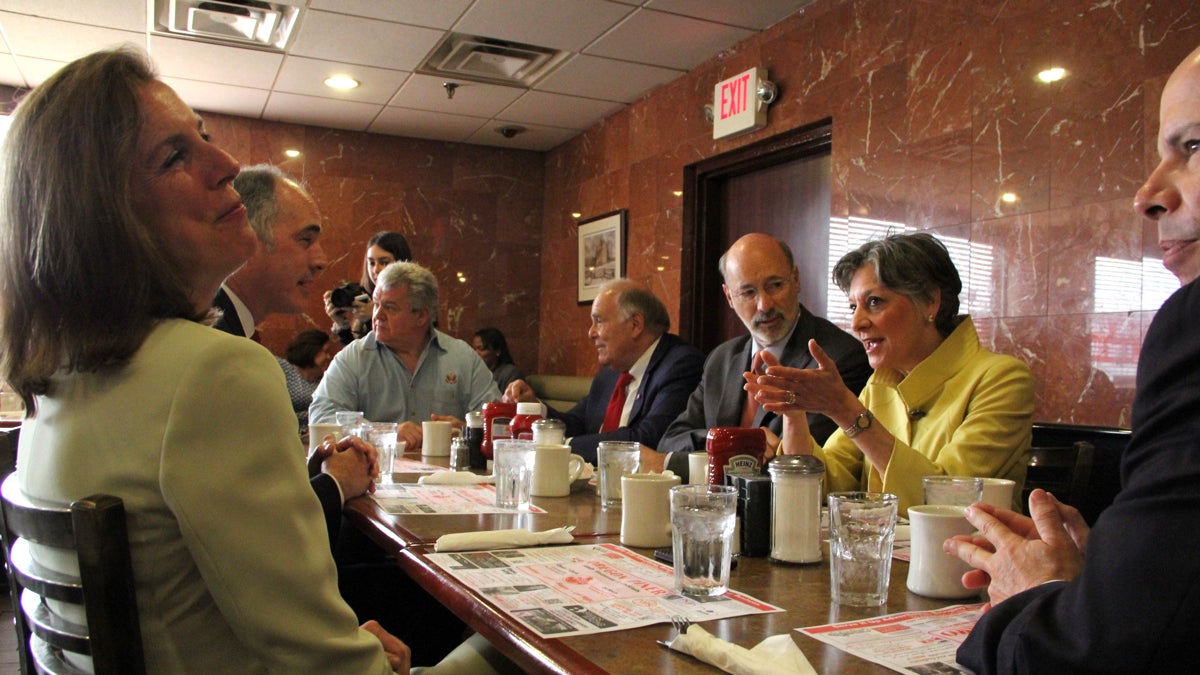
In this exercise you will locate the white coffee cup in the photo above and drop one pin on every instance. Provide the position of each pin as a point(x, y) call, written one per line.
point(932, 572)
point(317, 433)
point(999, 492)
point(697, 468)
point(436, 438)
point(554, 469)
point(646, 509)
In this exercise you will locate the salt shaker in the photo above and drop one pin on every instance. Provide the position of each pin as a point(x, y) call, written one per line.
point(549, 432)
point(460, 454)
point(796, 508)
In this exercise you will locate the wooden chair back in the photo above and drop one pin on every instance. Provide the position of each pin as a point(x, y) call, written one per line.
point(1063, 471)
point(95, 529)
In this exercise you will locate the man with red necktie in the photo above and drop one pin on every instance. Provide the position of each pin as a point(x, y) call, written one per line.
point(645, 378)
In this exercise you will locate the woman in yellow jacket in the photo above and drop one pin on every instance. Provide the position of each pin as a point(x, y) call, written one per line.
point(938, 403)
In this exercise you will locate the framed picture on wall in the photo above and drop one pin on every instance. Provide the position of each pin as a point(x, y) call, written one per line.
point(601, 252)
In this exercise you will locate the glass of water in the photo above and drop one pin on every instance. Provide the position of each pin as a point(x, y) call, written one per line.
point(702, 520)
point(862, 527)
point(382, 435)
point(513, 471)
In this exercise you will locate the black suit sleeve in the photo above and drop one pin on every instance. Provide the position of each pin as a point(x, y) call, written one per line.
point(1135, 606)
point(331, 503)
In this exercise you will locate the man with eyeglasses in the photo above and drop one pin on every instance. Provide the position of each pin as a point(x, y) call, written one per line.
point(762, 285)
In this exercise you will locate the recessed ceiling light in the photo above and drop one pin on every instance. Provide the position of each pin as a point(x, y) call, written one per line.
point(341, 82)
point(292, 153)
point(1008, 197)
point(1052, 74)
point(677, 193)
point(576, 214)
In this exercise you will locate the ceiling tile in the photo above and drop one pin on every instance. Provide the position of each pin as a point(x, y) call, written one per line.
point(534, 137)
point(127, 15)
point(220, 98)
point(307, 76)
point(324, 112)
point(58, 40)
point(643, 37)
point(425, 92)
point(37, 71)
point(10, 74)
point(608, 79)
point(556, 110)
point(193, 60)
point(755, 15)
point(426, 124)
point(561, 24)
point(336, 37)
point(441, 14)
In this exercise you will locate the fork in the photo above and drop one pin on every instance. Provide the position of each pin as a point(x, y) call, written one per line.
point(681, 624)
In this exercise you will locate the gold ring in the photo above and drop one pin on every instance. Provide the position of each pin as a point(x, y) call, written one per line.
point(791, 398)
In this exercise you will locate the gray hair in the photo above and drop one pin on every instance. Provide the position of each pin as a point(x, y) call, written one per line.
point(422, 285)
point(787, 253)
point(633, 298)
point(917, 266)
point(257, 186)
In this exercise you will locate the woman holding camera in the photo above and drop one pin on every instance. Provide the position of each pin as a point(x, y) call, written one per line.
point(350, 313)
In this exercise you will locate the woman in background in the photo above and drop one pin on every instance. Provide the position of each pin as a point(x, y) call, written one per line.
point(307, 357)
point(490, 345)
point(129, 392)
point(938, 403)
point(383, 249)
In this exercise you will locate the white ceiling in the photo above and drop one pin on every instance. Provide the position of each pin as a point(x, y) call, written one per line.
point(619, 50)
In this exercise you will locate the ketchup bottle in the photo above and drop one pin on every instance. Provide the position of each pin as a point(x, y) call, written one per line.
point(496, 416)
point(521, 426)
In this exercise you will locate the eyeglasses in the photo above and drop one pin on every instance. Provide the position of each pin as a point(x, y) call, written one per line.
point(750, 295)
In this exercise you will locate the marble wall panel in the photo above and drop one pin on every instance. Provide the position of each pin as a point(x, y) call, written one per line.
point(936, 112)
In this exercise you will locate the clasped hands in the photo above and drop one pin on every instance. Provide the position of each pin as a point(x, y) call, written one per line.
point(1012, 553)
point(353, 463)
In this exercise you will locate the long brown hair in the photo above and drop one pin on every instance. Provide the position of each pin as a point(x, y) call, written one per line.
point(82, 281)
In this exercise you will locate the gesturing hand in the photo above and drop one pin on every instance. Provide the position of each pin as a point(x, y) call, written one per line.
point(1013, 553)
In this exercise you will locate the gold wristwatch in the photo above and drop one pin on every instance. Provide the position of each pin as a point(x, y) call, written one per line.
point(860, 424)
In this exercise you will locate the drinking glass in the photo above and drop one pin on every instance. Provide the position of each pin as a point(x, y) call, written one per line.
point(952, 490)
point(862, 527)
point(702, 520)
point(615, 459)
point(513, 468)
point(382, 435)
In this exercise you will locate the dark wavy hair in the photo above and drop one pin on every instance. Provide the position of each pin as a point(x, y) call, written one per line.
point(917, 266)
point(303, 349)
point(392, 242)
point(494, 340)
point(67, 194)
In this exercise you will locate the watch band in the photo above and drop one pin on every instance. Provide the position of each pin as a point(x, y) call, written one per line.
point(860, 424)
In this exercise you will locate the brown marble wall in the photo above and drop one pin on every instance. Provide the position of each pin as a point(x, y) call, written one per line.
point(464, 209)
point(936, 112)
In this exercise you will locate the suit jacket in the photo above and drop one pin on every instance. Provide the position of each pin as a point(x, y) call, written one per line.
point(323, 484)
point(719, 399)
point(1135, 606)
point(673, 372)
point(230, 564)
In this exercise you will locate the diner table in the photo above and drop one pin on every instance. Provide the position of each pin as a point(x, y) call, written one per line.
point(802, 590)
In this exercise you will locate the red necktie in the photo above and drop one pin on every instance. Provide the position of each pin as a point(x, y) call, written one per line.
point(616, 404)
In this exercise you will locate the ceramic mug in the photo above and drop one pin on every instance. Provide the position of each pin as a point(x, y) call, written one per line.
point(646, 509)
point(435, 438)
point(932, 572)
point(999, 492)
point(554, 469)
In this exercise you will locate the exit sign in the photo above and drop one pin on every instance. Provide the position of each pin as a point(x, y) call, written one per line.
point(736, 108)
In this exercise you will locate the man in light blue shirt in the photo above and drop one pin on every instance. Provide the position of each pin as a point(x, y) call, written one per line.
point(405, 370)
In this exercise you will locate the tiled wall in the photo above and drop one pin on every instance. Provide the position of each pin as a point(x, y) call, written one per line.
point(936, 112)
point(465, 209)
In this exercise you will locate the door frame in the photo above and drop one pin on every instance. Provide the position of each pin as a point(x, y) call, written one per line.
point(700, 281)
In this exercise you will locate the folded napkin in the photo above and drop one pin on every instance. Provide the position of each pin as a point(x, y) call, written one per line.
point(777, 654)
point(492, 539)
point(453, 478)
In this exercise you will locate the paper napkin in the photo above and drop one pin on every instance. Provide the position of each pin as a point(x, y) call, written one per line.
point(493, 539)
point(777, 654)
point(453, 478)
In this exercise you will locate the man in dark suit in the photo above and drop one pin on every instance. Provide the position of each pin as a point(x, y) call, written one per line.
point(1131, 604)
point(762, 285)
point(656, 369)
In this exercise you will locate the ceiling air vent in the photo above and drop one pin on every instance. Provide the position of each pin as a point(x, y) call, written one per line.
point(244, 23)
point(483, 59)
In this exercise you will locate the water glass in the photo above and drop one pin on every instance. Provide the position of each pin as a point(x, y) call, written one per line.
point(862, 526)
point(350, 421)
point(702, 521)
point(382, 435)
point(615, 459)
point(952, 490)
point(513, 469)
